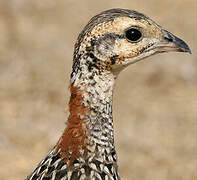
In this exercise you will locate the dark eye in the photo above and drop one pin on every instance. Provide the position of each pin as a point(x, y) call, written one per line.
point(133, 34)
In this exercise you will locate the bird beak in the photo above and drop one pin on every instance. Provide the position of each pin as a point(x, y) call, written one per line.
point(172, 43)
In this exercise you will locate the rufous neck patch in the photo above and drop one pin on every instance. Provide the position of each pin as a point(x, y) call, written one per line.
point(72, 143)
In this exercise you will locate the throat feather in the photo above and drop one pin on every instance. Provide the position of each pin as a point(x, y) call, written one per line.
point(89, 131)
point(72, 143)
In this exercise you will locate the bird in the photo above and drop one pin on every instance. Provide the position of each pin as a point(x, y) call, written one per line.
point(111, 41)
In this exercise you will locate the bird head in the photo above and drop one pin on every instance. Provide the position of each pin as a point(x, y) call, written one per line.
point(116, 38)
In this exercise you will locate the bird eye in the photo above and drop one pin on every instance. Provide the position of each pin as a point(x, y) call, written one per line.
point(133, 34)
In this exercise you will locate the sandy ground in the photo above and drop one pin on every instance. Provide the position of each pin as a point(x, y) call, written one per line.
point(155, 102)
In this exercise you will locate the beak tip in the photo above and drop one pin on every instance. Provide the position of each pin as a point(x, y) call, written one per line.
point(179, 43)
point(186, 49)
point(189, 51)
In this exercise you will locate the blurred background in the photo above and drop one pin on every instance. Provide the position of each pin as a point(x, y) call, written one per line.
point(155, 102)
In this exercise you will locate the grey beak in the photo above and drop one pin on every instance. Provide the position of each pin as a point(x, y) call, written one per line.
point(178, 43)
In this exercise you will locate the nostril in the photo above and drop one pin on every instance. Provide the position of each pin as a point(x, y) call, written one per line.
point(180, 44)
point(168, 36)
point(169, 39)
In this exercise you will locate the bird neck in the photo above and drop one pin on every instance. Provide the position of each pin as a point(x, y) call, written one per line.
point(89, 132)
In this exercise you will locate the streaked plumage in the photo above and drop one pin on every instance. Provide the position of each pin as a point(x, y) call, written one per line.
point(110, 42)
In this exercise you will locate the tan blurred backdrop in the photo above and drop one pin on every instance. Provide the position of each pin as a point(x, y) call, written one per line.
point(155, 102)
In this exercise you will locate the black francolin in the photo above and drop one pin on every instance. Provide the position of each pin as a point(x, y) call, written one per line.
point(111, 41)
